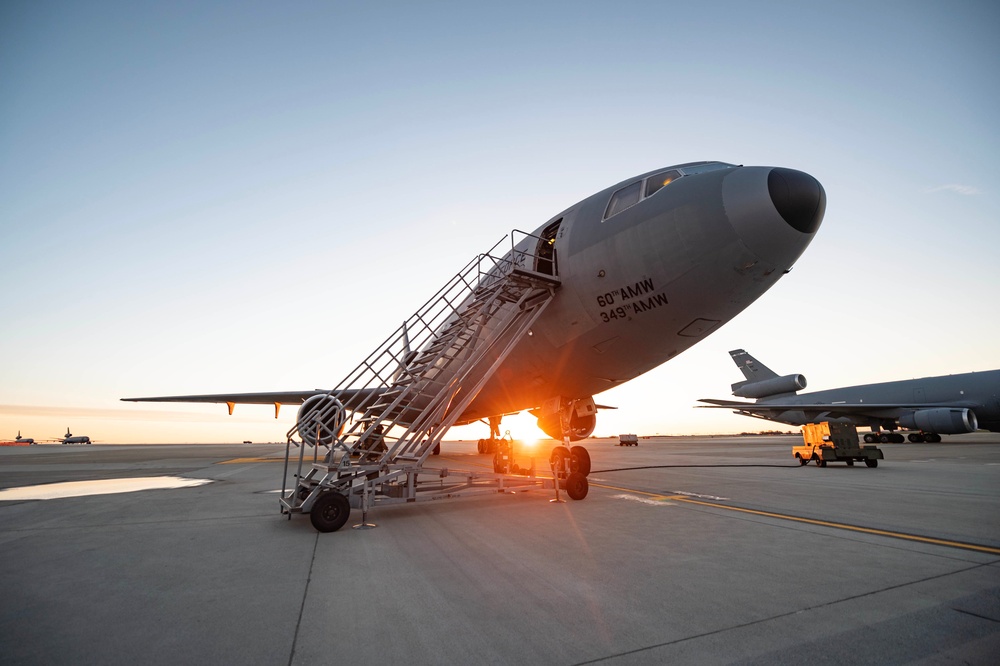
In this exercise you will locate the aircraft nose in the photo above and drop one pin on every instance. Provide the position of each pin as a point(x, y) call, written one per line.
point(774, 210)
point(798, 197)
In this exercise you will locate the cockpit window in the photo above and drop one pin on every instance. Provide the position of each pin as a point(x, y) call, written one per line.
point(654, 183)
point(630, 195)
point(624, 198)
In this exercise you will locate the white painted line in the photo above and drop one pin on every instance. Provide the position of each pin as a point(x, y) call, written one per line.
point(642, 500)
point(100, 487)
point(686, 494)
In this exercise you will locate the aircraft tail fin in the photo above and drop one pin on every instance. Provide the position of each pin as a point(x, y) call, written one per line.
point(752, 369)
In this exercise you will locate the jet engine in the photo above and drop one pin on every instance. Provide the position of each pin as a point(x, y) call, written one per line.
point(582, 420)
point(580, 427)
point(320, 414)
point(769, 387)
point(942, 421)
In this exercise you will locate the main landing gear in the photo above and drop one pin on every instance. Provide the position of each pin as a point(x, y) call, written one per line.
point(897, 438)
point(884, 438)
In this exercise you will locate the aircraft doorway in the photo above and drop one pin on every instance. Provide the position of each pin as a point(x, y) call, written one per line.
point(545, 251)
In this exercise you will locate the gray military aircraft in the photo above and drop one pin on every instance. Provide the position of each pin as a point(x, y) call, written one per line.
point(637, 273)
point(930, 406)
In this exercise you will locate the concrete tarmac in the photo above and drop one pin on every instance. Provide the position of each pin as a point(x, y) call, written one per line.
point(687, 550)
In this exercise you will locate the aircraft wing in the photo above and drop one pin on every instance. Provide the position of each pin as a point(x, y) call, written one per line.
point(834, 409)
point(275, 398)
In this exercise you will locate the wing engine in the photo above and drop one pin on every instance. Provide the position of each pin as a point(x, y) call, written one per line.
point(320, 419)
point(942, 421)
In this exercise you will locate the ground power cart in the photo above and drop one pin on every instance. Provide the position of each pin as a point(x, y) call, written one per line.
point(834, 442)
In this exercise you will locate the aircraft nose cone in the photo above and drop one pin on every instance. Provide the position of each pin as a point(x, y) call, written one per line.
point(775, 211)
point(798, 198)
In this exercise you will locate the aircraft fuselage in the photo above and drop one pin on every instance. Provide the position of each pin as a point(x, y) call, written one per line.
point(645, 284)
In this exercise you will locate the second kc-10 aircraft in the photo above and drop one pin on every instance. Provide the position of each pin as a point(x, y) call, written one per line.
point(930, 406)
point(643, 270)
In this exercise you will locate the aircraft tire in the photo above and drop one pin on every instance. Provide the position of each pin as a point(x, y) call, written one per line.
point(871, 462)
point(934, 438)
point(580, 460)
point(869, 438)
point(330, 512)
point(576, 486)
point(557, 458)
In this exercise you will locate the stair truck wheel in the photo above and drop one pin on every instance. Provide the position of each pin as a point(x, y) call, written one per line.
point(580, 460)
point(330, 512)
point(871, 462)
point(576, 486)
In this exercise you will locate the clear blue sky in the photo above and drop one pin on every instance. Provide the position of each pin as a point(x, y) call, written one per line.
point(216, 197)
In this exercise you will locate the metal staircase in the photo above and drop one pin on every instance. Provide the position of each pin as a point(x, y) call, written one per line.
point(389, 414)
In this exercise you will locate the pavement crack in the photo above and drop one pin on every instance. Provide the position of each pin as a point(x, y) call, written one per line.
point(788, 614)
point(305, 595)
point(981, 617)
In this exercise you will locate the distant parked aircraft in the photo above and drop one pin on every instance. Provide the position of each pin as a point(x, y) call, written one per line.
point(930, 406)
point(70, 438)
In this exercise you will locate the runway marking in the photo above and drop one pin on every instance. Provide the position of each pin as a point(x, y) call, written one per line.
point(845, 526)
point(642, 500)
point(236, 461)
point(65, 489)
point(708, 497)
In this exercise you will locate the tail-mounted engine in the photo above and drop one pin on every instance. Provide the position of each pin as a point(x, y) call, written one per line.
point(942, 421)
point(769, 387)
point(320, 419)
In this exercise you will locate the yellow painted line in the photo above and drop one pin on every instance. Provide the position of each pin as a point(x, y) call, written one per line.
point(845, 526)
point(236, 461)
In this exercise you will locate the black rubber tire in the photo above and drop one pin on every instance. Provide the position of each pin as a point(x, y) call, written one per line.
point(850, 463)
point(820, 463)
point(871, 462)
point(869, 438)
point(330, 512)
point(580, 460)
point(802, 461)
point(576, 486)
point(556, 458)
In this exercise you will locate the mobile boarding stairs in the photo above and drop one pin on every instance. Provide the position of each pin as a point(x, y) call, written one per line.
point(389, 414)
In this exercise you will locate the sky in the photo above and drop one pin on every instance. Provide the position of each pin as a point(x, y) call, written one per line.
point(250, 196)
